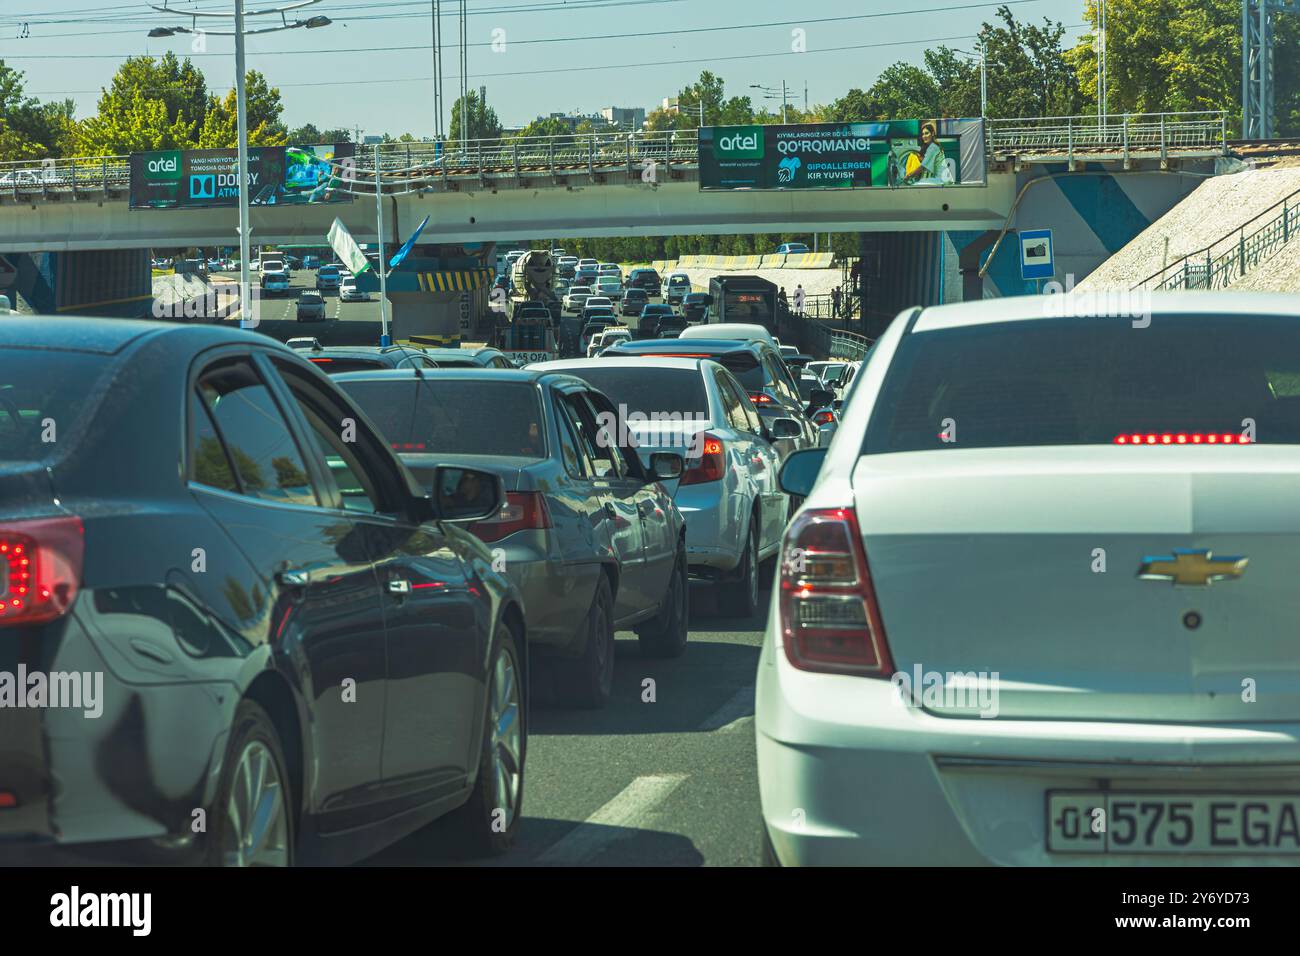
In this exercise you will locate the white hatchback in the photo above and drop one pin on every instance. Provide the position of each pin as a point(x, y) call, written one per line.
point(1039, 605)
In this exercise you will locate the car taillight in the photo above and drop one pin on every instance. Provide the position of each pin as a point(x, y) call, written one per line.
point(40, 568)
point(760, 398)
point(830, 620)
point(710, 466)
point(824, 418)
point(1182, 438)
point(523, 510)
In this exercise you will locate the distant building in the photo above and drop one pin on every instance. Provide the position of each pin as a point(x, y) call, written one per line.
point(625, 116)
point(372, 140)
point(670, 105)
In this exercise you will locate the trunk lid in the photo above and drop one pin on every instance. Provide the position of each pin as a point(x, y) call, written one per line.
point(990, 561)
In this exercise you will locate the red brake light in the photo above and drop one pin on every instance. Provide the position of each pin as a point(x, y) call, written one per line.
point(523, 510)
point(830, 619)
point(760, 398)
point(321, 361)
point(1182, 438)
point(710, 466)
point(824, 418)
point(40, 569)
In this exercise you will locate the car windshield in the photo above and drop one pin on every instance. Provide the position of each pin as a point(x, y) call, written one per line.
point(1091, 381)
point(648, 389)
point(455, 417)
point(39, 387)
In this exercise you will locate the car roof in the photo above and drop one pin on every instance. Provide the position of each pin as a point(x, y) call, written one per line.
point(111, 336)
point(618, 361)
point(711, 347)
point(526, 376)
point(1082, 302)
point(736, 331)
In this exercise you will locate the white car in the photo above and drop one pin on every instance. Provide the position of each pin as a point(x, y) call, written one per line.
point(348, 291)
point(576, 298)
point(611, 287)
point(608, 337)
point(1038, 607)
point(739, 331)
point(734, 508)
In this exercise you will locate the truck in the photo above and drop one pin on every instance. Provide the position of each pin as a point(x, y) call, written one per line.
point(749, 299)
point(531, 334)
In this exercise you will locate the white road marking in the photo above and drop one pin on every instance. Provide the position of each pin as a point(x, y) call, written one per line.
point(729, 716)
point(614, 821)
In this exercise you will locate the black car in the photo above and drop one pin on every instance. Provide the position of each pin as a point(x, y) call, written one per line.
point(634, 300)
point(357, 358)
point(647, 326)
point(695, 306)
point(646, 279)
point(670, 326)
point(290, 639)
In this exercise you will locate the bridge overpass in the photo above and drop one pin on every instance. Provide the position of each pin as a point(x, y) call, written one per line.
point(602, 184)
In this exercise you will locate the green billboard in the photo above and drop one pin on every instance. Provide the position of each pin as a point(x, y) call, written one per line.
point(205, 178)
point(889, 154)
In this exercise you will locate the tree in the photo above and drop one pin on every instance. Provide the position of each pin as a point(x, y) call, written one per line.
point(1183, 55)
point(483, 121)
point(133, 123)
point(30, 129)
point(221, 128)
point(1029, 72)
point(306, 135)
point(547, 126)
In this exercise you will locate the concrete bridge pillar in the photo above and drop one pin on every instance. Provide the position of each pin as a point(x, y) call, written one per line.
point(110, 282)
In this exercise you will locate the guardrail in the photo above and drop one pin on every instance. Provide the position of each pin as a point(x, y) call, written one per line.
point(1067, 137)
point(423, 165)
point(1231, 256)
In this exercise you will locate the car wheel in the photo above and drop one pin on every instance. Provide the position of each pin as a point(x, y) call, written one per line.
point(739, 598)
point(666, 635)
point(588, 680)
point(253, 825)
point(488, 822)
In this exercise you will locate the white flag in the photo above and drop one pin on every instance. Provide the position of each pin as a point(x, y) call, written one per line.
point(346, 248)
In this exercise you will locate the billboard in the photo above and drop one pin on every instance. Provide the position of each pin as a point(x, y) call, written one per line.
point(206, 178)
point(888, 154)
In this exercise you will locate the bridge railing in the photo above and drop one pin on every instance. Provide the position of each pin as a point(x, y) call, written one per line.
point(1196, 133)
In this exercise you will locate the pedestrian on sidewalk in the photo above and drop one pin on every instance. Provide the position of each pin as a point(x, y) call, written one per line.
point(835, 301)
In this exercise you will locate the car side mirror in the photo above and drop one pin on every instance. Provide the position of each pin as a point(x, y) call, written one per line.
point(821, 397)
point(799, 473)
point(466, 494)
point(785, 428)
point(665, 466)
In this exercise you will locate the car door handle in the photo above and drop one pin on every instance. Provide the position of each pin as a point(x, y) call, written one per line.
point(399, 586)
point(292, 578)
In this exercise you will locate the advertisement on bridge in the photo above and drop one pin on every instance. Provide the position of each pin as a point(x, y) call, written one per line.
point(894, 154)
point(206, 178)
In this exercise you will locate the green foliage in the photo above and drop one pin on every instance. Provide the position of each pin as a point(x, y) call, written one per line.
point(483, 121)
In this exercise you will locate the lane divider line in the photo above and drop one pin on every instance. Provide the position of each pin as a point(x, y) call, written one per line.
point(727, 717)
point(616, 820)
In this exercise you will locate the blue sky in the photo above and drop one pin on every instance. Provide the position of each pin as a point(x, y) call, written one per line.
point(371, 69)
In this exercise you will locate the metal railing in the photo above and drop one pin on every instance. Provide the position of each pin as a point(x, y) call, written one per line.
point(1063, 137)
point(423, 165)
point(1230, 257)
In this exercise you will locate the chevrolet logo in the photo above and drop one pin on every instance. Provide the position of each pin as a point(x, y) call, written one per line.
point(1191, 568)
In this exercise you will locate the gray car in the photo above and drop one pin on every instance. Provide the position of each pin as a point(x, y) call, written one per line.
point(589, 533)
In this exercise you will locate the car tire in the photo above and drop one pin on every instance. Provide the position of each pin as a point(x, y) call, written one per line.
point(588, 680)
point(739, 597)
point(667, 634)
point(253, 775)
point(488, 822)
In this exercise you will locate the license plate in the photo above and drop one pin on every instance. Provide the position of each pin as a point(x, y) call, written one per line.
point(1152, 822)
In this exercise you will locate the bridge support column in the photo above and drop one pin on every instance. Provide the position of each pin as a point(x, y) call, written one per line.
point(111, 282)
point(972, 283)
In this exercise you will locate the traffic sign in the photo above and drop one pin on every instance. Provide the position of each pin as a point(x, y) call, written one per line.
point(1037, 257)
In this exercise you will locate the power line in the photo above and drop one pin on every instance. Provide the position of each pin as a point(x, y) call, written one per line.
point(586, 69)
point(731, 28)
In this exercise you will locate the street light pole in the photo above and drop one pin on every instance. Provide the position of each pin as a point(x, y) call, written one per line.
point(241, 110)
point(783, 102)
point(384, 338)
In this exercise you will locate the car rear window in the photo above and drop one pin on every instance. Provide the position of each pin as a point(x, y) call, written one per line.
point(1089, 381)
point(747, 369)
point(649, 389)
point(40, 391)
point(462, 417)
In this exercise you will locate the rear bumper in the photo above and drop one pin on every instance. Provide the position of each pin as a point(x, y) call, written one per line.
point(850, 774)
point(713, 535)
point(120, 787)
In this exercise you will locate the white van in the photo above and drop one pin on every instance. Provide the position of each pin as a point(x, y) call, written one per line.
point(740, 331)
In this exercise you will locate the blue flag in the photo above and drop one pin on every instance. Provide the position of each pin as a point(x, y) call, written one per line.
point(403, 252)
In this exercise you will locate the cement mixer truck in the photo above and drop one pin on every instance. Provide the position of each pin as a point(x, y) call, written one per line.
point(534, 310)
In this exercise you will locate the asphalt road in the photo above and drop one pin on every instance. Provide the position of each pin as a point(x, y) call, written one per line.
point(286, 306)
point(667, 783)
point(671, 782)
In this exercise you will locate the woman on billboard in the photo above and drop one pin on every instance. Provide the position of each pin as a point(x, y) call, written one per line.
point(929, 166)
